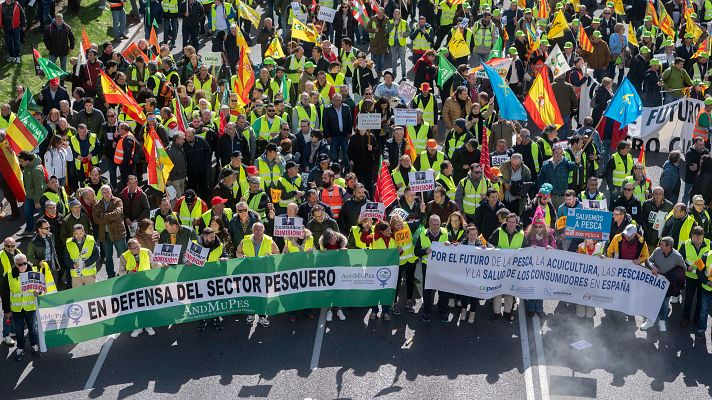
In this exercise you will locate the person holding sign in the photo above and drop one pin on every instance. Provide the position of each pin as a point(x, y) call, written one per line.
point(81, 255)
point(430, 158)
point(383, 239)
point(21, 306)
point(654, 212)
point(303, 244)
point(175, 233)
point(361, 235)
point(257, 245)
point(434, 233)
point(471, 190)
point(135, 259)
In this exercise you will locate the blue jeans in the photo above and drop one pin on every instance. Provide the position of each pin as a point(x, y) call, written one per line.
point(19, 320)
point(686, 192)
point(29, 210)
point(692, 287)
point(108, 247)
point(43, 12)
point(340, 143)
point(565, 128)
point(119, 22)
point(378, 61)
point(62, 61)
point(704, 310)
point(535, 305)
point(12, 42)
point(664, 309)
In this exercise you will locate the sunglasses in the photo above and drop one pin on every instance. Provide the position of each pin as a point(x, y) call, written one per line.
point(241, 211)
point(20, 264)
point(627, 190)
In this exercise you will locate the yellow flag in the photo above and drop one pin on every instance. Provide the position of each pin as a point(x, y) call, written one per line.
point(693, 28)
point(618, 7)
point(248, 13)
point(457, 45)
point(275, 50)
point(631, 35)
point(241, 42)
point(558, 26)
point(303, 32)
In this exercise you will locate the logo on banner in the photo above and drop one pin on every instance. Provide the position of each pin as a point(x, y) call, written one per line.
point(383, 275)
point(75, 312)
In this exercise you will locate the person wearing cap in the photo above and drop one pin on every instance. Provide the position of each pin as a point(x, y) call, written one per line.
point(190, 209)
point(675, 79)
point(228, 187)
point(456, 137)
point(217, 209)
point(668, 262)
point(652, 84)
point(600, 57)
point(307, 75)
point(527, 23)
point(74, 217)
point(516, 73)
point(430, 158)
point(647, 27)
point(701, 67)
point(697, 92)
point(50, 97)
point(422, 35)
point(638, 67)
point(471, 190)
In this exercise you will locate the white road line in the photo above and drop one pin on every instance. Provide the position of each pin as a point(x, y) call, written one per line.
point(100, 361)
point(318, 339)
point(23, 375)
point(539, 345)
point(526, 361)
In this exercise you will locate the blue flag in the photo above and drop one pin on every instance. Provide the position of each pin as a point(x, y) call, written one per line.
point(626, 105)
point(509, 106)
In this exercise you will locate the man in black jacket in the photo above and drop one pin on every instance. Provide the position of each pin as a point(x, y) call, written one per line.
point(193, 15)
point(198, 159)
point(52, 94)
point(338, 123)
point(486, 219)
point(59, 40)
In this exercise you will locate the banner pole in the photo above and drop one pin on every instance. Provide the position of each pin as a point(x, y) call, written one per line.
point(40, 331)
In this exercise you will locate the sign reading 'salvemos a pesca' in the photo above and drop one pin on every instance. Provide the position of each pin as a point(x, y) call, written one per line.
point(263, 285)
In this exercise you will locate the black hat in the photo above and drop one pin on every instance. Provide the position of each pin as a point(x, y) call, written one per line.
point(271, 147)
point(236, 153)
point(291, 164)
point(322, 157)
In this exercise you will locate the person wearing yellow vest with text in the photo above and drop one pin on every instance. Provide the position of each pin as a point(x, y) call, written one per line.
point(257, 245)
point(383, 239)
point(216, 252)
point(81, 255)
point(704, 276)
point(301, 244)
point(444, 178)
point(618, 167)
point(507, 236)
point(431, 158)
point(434, 233)
point(471, 190)
point(136, 259)
point(692, 251)
point(270, 166)
point(398, 33)
point(21, 306)
point(190, 209)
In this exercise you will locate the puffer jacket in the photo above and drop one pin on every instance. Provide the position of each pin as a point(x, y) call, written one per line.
point(453, 111)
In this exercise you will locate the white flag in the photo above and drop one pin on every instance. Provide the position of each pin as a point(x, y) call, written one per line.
point(82, 58)
point(557, 62)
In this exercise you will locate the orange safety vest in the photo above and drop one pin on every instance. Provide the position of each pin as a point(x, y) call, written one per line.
point(333, 199)
point(699, 131)
point(119, 152)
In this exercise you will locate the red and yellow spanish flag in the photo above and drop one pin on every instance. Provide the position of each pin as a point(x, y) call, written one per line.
point(159, 164)
point(543, 10)
point(113, 94)
point(654, 14)
point(10, 170)
point(25, 132)
point(245, 78)
point(541, 103)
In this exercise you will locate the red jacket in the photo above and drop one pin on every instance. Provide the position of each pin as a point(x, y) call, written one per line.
point(18, 15)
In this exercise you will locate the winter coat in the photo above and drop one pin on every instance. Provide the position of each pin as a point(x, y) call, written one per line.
point(486, 219)
point(452, 111)
point(180, 165)
point(599, 58)
point(198, 157)
point(33, 177)
point(670, 181)
point(109, 214)
point(565, 96)
point(59, 40)
point(379, 36)
point(138, 208)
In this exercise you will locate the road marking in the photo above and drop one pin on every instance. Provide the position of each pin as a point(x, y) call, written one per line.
point(23, 375)
point(539, 345)
point(526, 361)
point(318, 339)
point(100, 361)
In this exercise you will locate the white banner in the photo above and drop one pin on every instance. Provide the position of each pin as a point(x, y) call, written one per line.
point(587, 91)
point(196, 254)
point(501, 65)
point(421, 181)
point(405, 116)
point(594, 204)
point(666, 128)
point(557, 62)
point(166, 253)
point(369, 121)
point(326, 14)
point(288, 226)
point(536, 273)
point(407, 92)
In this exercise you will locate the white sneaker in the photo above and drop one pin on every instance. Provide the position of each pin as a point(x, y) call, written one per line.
point(674, 299)
point(649, 323)
point(9, 341)
point(18, 60)
point(341, 315)
point(264, 322)
point(662, 326)
point(329, 316)
point(150, 331)
point(136, 332)
point(250, 319)
point(471, 320)
point(463, 314)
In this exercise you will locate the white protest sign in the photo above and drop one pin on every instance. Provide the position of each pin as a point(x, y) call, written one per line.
point(372, 210)
point(405, 116)
point(594, 204)
point(421, 181)
point(211, 58)
point(499, 159)
point(297, 10)
point(165, 253)
point(557, 63)
point(196, 254)
point(369, 121)
point(667, 127)
point(548, 274)
point(658, 220)
point(326, 14)
point(32, 281)
point(407, 91)
point(587, 91)
point(661, 57)
point(285, 226)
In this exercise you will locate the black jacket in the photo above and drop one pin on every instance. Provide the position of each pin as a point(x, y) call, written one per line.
point(227, 144)
point(48, 103)
point(59, 40)
point(192, 21)
point(636, 74)
point(393, 151)
point(331, 122)
point(486, 219)
point(198, 156)
point(632, 207)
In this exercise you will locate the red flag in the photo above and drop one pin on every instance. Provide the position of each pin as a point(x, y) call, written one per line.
point(223, 122)
point(11, 171)
point(153, 39)
point(484, 155)
point(85, 40)
point(35, 57)
point(245, 78)
point(610, 125)
point(385, 189)
point(641, 156)
point(313, 6)
point(181, 122)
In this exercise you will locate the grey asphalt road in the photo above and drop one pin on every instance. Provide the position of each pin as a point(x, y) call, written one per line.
point(359, 359)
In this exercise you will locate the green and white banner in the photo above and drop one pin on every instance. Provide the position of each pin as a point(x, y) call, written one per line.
point(265, 285)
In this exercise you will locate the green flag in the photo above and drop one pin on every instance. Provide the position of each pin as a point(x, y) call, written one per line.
point(50, 69)
point(285, 88)
point(31, 123)
point(445, 70)
point(496, 50)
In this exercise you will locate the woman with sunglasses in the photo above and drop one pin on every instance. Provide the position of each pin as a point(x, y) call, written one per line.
point(21, 306)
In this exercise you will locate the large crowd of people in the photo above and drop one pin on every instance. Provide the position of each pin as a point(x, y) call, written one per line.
point(296, 148)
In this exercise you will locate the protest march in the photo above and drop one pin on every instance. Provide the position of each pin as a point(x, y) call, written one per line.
point(467, 162)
